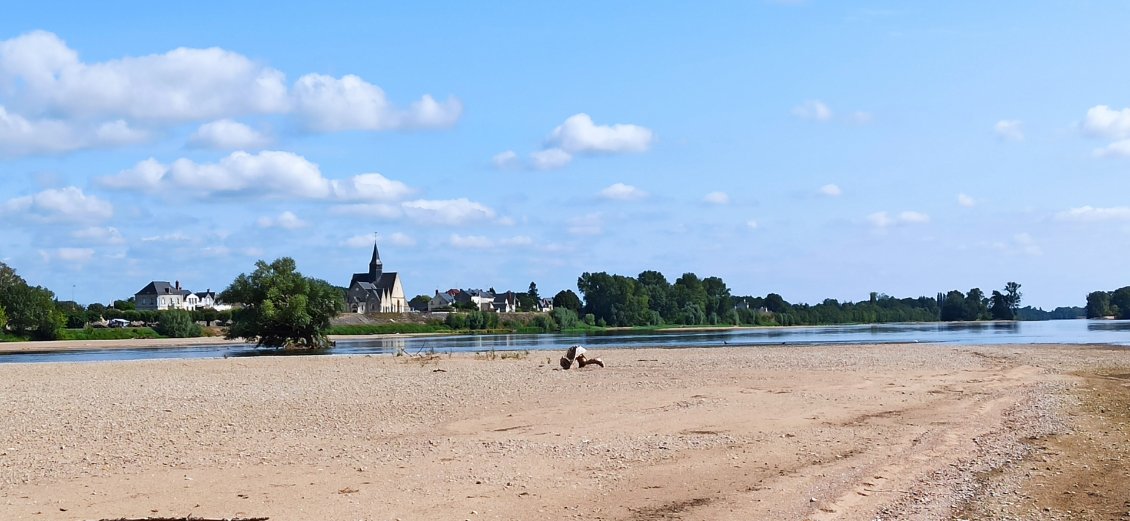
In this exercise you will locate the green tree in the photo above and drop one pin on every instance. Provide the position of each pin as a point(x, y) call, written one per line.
point(3, 321)
point(660, 296)
point(616, 300)
point(125, 305)
point(419, 302)
point(281, 307)
point(976, 305)
point(953, 306)
point(999, 308)
point(776, 304)
point(565, 318)
point(718, 299)
point(1098, 304)
point(1012, 296)
point(31, 311)
point(177, 323)
point(1120, 302)
point(568, 300)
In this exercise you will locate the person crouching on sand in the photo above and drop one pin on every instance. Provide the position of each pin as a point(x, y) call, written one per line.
point(578, 353)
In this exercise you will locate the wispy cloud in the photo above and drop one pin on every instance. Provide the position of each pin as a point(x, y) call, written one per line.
point(622, 192)
point(883, 219)
point(1090, 214)
point(1009, 130)
point(814, 110)
point(717, 198)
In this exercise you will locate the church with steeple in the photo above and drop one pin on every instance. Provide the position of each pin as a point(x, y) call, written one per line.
point(376, 291)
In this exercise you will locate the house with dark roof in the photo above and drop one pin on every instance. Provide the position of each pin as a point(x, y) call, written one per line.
point(160, 295)
point(505, 302)
point(442, 301)
point(376, 291)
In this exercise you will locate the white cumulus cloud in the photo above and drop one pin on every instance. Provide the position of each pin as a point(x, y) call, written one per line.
point(55, 102)
point(1009, 130)
point(1119, 148)
point(328, 104)
point(718, 198)
point(578, 135)
point(966, 201)
point(266, 173)
point(68, 204)
point(1103, 121)
point(226, 134)
point(751, 224)
point(370, 187)
point(622, 192)
point(45, 76)
point(22, 136)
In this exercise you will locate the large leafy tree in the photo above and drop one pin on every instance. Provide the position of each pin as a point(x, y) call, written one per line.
point(568, 300)
point(1098, 304)
point(999, 308)
point(30, 310)
point(281, 307)
point(953, 306)
point(615, 299)
point(1012, 296)
point(1120, 302)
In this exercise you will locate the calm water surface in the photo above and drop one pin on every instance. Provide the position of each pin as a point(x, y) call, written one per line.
point(1050, 332)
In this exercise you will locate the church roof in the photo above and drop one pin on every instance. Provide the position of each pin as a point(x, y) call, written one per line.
point(383, 281)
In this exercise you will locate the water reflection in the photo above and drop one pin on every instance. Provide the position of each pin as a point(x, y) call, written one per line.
point(1056, 331)
point(1108, 325)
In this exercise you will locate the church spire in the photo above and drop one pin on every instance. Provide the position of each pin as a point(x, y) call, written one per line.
point(375, 265)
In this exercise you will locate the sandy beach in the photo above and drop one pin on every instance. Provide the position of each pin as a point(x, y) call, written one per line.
point(783, 432)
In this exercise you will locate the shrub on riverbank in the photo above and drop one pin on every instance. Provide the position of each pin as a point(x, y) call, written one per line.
point(122, 333)
point(177, 323)
point(388, 329)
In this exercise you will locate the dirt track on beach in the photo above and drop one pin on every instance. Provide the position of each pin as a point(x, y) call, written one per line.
point(783, 432)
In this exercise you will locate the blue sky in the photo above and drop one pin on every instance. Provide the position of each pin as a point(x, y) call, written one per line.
point(810, 148)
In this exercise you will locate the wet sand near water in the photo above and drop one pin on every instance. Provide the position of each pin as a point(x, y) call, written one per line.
point(781, 432)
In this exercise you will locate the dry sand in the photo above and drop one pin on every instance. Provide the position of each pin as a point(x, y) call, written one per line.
point(785, 432)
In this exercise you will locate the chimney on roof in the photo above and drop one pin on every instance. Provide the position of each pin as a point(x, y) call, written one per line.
point(178, 285)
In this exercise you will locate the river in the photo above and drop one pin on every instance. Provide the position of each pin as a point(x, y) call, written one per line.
point(1115, 332)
